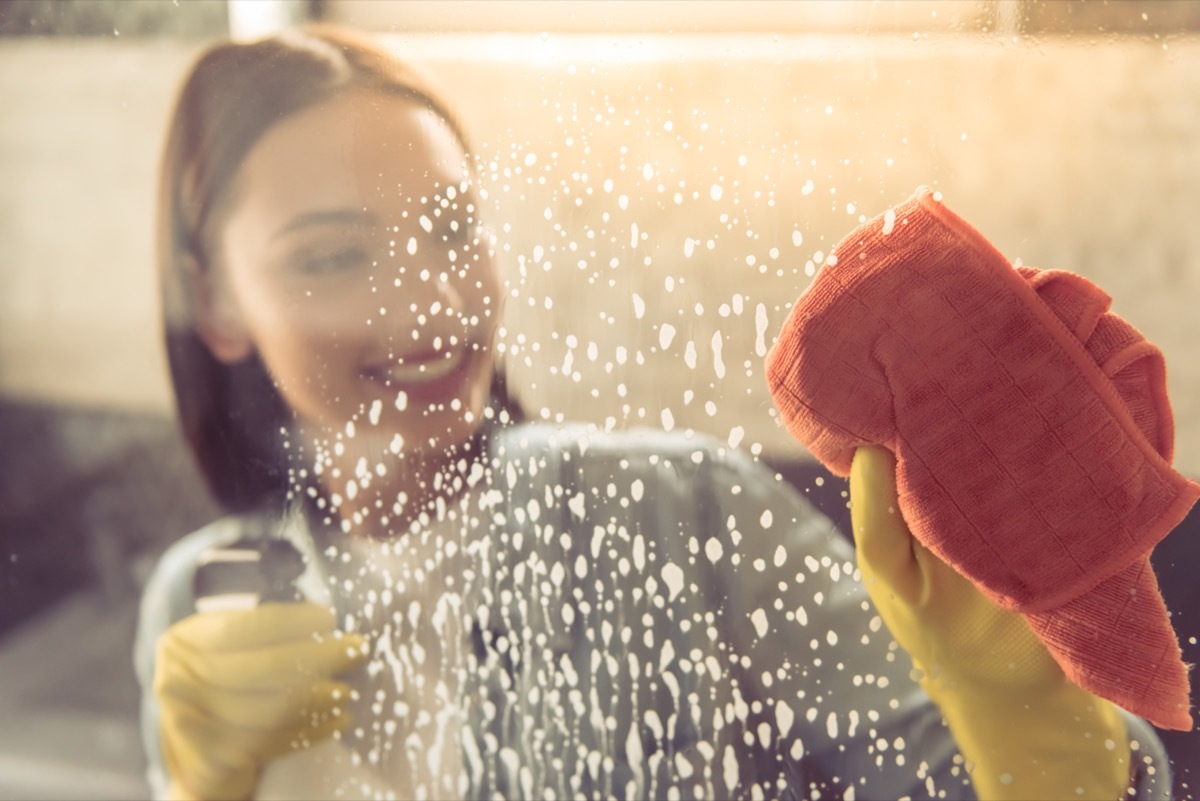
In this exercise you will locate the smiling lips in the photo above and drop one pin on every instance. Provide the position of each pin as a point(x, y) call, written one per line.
point(431, 376)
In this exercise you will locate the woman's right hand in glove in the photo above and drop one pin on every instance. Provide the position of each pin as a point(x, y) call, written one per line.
point(238, 688)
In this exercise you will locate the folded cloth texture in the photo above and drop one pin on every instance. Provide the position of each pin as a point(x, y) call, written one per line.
point(1031, 427)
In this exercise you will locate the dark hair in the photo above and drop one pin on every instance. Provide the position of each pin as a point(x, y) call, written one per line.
point(232, 415)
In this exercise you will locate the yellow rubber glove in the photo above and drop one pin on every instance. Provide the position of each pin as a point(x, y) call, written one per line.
point(1024, 729)
point(238, 688)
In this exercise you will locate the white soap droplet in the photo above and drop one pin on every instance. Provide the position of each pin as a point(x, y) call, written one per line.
point(376, 410)
point(760, 330)
point(713, 549)
point(715, 192)
point(718, 365)
point(729, 769)
point(784, 717)
point(759, 618)
point(735, 436)
point(672, 574)
point(889, 222)
point(639, 306)
point(666, 334)
point(576, 505)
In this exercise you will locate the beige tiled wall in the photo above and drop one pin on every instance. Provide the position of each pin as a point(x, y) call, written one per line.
point(1068, 154)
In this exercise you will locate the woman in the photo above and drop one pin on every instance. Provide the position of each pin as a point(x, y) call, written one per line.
point(490, 608)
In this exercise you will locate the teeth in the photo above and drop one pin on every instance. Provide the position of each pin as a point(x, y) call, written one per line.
point(424, 371)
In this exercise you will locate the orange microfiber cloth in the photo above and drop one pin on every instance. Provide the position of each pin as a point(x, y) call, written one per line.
point(1031, 428)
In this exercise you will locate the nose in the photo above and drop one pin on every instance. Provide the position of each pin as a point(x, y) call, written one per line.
point(425, 309)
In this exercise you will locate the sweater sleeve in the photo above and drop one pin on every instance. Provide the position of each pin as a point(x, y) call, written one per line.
point(829, 679)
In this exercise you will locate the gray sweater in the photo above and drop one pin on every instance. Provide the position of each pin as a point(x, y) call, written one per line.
point(633, 615)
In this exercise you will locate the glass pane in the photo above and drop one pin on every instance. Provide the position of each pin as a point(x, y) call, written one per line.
point(595, 217)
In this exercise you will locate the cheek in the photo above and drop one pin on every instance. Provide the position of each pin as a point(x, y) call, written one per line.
point(483, 287)
point(300, 340)
point(318, 314)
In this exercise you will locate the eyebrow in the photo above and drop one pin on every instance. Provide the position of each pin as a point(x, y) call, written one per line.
point(326, 217)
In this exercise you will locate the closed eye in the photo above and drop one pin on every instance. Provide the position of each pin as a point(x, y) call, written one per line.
point(334, 261)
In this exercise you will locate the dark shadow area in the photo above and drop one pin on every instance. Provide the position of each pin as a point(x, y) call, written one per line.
point(84, 495)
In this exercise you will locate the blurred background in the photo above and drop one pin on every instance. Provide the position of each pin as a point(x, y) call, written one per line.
point(664, 177)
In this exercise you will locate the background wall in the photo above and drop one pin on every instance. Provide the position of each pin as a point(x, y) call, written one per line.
point(1071, 154)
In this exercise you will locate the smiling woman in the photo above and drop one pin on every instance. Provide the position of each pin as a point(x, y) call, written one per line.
point(307, 275)
point(331, 267)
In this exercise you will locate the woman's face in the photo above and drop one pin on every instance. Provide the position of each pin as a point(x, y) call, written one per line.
point(353, 260)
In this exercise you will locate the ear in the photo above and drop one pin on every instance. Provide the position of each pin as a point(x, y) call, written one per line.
point(218, 319)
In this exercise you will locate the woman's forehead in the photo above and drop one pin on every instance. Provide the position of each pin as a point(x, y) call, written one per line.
point(358, 149)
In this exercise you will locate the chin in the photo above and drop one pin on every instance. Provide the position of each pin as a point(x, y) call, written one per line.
point(440, 431)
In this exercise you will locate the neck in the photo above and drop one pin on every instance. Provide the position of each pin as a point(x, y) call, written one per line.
point(370, 491)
